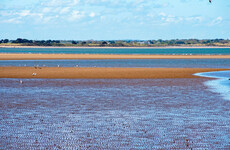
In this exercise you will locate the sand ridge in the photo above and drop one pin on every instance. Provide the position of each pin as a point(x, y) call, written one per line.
point(101, 73)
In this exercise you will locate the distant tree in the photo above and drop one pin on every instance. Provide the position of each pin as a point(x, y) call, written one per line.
point(160, 40)
point(42, 41)
point(19, 40)
point(171, 42)
point(57, 41)
point(30, 41)
point(179, 42)
point(208, 41)
point(26, 41)
point(5, 41)
point(74, 42)
point(48, 41)
point(104, 43)
point(112, 42)
point(83, 43)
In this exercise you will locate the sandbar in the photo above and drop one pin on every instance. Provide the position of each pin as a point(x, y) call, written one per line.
point(14, 56)
point(101, 73)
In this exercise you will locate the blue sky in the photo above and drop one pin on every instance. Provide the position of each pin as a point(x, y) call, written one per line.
point(114, 19)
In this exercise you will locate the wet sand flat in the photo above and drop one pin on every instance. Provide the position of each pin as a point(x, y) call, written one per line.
point(5, 56)
point(100, 73)
point(112, 114)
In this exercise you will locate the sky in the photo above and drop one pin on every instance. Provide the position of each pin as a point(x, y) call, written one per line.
point(114, 19)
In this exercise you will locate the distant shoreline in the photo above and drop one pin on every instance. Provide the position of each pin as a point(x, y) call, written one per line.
point(85, 47)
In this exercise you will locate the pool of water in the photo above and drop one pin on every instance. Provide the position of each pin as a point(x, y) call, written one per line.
point(222, 83)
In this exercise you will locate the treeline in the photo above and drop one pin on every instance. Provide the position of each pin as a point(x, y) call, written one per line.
point(119, 43)
point(26, 42)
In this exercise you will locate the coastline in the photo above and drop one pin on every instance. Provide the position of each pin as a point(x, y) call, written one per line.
point(101, 73)
point(15, 56)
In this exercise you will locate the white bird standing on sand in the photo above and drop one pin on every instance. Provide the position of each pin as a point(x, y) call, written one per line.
point(34, 74)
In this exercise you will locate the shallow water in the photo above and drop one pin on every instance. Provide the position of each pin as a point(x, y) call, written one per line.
point(166, 51)
point(112, 114)
point(221, 85)
point(137, 63)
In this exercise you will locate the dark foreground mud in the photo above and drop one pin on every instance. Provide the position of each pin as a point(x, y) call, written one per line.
point(112, 114)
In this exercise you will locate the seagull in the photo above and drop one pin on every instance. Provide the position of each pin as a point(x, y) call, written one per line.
point(21, 82)
point(210, 1)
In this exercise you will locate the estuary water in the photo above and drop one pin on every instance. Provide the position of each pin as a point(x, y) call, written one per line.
point(132, 63)
point(222, 83)
point(165, 51)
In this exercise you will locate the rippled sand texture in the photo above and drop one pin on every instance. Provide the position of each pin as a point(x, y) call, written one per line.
point(112, 114)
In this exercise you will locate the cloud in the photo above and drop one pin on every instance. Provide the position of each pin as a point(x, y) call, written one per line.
point(92, 14)
point(120, 12)
point(75, 2)
point(194, 19)
point(75, 15)
point(58, 3)
point(46, 10)
point(64, 10)
point(11, 20)
point(24, 13)
point(217, 21)
point(72, 10)
point(170, 18)
point(53, 3)
point(162, 14)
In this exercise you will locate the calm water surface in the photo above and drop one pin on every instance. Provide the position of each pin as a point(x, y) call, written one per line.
point(166, 51)
point(222, 83)
point(137, 63)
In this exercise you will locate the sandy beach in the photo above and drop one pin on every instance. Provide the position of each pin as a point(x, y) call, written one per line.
point(5, 56)
point(100, 73)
